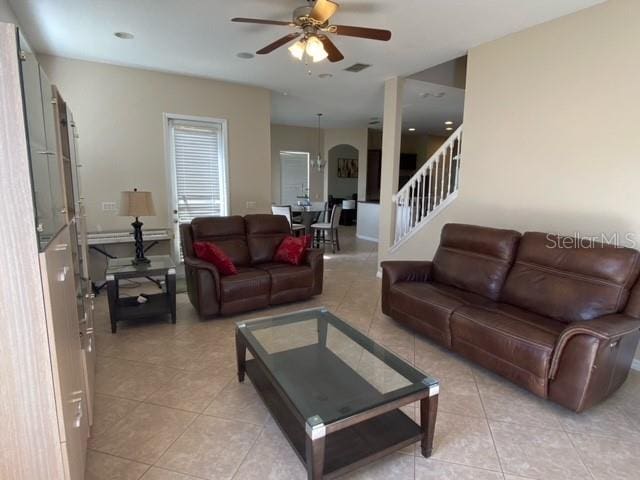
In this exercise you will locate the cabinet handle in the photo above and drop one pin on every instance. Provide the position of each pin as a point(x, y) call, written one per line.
point(77, 421)
point(62, 274)
point(61, 247)
point(45, 152)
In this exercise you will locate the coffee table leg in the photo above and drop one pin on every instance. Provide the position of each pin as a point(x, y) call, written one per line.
point(170, 281)
point(241, 355)
point(428, 411)
point(322, 331)
point(315, 448)
point(112, 292)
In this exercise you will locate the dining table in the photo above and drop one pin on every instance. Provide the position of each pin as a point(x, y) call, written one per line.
point(307, 215)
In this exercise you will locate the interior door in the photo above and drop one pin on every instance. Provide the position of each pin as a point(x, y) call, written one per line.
point(294, 177)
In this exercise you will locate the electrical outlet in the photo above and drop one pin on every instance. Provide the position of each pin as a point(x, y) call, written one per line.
point(251, 205)
point(109, 208)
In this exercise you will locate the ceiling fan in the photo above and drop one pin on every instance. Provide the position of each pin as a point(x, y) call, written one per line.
point(312, 23)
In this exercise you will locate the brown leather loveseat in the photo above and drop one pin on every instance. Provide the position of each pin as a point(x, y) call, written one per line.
point(560, 319)
point(251, 243)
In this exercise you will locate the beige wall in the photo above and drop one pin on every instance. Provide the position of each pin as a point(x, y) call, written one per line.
point(357, 138)
point(295, 139)
point(303, 139)
point(119, 114)
point(538, 105)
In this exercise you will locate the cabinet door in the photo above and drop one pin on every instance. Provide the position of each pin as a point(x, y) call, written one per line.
point(38, 152)
point(54, 162)
point(65, 348)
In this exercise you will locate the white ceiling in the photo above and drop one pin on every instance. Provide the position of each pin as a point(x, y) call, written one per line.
point(195, 37)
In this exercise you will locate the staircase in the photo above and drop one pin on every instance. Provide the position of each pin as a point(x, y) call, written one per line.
point(429, 191)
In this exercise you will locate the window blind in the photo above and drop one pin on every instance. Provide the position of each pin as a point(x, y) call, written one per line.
point(200, 183)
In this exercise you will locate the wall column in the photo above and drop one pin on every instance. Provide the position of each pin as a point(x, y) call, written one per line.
point(391, 137)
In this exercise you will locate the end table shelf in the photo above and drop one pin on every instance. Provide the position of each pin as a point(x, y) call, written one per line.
point(128, 308)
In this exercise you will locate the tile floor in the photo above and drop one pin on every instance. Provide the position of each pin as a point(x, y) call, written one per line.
point(168, 406)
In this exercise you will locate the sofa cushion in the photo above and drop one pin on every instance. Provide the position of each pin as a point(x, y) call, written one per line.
point(210, 252)
point(292, 250)
point(427, 306)
point(475, 258)
point(558, 278)
point(516, 343)
point(289, 282)
point(264, 234)
point(249, 282)
point(228, 233)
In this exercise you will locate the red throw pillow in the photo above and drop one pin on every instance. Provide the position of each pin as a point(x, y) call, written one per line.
point(210, 252)
point(292, 250)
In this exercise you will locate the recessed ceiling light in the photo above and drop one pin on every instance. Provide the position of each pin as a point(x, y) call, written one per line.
point(449, 128)
point(412, 129)
point(245, 55)
point(448, 122)
point(285, 93)
point(325, 75)
point(124, 35)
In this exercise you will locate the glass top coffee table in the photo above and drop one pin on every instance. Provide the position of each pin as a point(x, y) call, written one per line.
point(335, 393)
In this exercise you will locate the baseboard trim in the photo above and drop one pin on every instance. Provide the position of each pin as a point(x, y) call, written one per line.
point(364, 237)
point(635, 365)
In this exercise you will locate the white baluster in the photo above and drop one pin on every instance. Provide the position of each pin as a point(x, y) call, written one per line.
point(443, 160)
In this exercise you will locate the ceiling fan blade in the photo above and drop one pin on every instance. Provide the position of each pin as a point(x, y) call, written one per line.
point(260, 21)
point(361, 32)
point(334, 54)
point(278, 43)
point(323, 10)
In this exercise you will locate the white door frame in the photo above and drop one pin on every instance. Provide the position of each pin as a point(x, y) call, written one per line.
point(172, 198)
point(308, 154)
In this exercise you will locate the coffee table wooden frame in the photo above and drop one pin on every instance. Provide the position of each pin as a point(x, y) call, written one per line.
point(308, 436)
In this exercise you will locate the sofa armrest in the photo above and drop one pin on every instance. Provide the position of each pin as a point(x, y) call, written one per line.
point(592, 359)
point(406, 271)
point(315, 259)
point(608, 328)
point(203, 285)
point(401, 271)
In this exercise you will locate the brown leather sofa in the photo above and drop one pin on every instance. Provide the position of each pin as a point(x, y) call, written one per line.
point(560, 320)
point(251, 243)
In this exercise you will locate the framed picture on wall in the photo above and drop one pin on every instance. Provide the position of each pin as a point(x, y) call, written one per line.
point(347, 168)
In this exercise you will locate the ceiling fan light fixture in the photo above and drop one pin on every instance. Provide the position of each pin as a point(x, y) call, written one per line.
point(297, 49)
point(315, 49)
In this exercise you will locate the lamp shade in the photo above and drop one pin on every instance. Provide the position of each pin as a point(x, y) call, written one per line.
point(136, 204)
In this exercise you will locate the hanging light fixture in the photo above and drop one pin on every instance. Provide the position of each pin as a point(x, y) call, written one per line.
point(310, 45)
point(318, 163)
point(315, 49)
point(297, 49)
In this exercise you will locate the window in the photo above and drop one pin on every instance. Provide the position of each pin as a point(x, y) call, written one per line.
point(197, 152)
point(294, 177)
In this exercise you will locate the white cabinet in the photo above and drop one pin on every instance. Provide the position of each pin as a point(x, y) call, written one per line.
point(47, 350)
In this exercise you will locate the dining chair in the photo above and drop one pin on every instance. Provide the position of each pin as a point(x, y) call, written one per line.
point(320, 229)
point(285, 210)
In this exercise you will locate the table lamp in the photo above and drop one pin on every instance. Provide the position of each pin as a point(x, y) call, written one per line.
point(137, 204)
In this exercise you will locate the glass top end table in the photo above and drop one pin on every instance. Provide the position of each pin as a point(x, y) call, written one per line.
point(335, 393)
point(158, 304)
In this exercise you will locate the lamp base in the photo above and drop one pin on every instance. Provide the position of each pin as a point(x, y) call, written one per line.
point(139, 259)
